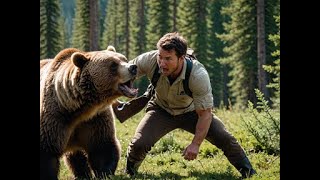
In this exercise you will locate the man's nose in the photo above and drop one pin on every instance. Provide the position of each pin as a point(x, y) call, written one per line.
point(161, 63)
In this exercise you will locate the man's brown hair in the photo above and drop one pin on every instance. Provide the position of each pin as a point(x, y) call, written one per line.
point(173, 41)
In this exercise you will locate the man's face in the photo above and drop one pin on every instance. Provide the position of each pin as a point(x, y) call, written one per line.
point(169, 63)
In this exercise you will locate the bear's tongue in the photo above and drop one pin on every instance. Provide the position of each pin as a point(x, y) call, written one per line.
point(128, 91)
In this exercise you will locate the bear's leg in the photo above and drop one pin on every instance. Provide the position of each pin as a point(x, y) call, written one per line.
point(77, 162)
point(49, 166)
point(104, 159)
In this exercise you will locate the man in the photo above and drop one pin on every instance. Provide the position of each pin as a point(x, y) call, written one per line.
point(172, 108)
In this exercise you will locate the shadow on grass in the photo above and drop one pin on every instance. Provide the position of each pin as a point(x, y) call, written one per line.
point(169, 175)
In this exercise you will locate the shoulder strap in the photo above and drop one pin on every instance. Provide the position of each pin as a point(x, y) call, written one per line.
point(156, 76)
point(187, 75)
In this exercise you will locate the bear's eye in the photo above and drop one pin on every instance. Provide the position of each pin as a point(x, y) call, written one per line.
point(114, 67)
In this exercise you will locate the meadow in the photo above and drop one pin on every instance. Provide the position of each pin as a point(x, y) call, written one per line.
point(165, 161)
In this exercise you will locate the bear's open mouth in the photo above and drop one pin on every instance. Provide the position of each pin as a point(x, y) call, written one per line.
point(127, 89)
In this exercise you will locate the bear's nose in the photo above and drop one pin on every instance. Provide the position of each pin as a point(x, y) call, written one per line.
point(133, 69)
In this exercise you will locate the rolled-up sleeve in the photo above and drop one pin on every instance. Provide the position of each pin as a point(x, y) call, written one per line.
point(201, 90)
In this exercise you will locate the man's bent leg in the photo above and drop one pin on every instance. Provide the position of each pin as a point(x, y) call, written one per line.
point(219, 136)
point(155, 124)
point(224, 140)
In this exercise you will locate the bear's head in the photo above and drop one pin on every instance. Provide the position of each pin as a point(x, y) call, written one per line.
point(104, 74)
point(94, 77)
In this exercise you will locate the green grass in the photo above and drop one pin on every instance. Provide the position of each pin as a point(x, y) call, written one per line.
point(164, 161)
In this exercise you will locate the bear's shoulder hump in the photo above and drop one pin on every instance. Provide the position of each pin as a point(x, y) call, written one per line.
point(65, 54)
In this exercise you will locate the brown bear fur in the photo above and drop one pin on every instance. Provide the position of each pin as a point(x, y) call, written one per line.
point(76, 121)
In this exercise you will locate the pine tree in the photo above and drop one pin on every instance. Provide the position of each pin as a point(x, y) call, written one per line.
point(137, 28)
point(86, 26)
point(94, 33)
point(241, 51)
point(272, 9)
point(198, 22)
point(64, 43)
point(218, 72)
point(275, 68)
point(110, 26)
point(192, 24)
point(116, 26)
point(174, 14)
point(159, 21)
point(102, 14)
point(261, 48)
point(81, 26)
point(50, 28)
point(123, 27)
point(68, 8)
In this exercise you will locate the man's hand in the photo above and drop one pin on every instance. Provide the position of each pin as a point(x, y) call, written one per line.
point(202, 127)
point(191, 152)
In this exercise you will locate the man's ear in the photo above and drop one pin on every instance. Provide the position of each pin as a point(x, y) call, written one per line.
point(182, 57)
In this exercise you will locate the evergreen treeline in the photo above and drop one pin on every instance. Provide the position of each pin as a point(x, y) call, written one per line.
point(230, 37)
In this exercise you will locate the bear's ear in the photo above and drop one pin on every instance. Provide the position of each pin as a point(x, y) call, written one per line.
point(111, 48)
point(79, 59)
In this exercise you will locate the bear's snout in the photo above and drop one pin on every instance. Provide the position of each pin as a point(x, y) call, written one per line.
point(133, 69)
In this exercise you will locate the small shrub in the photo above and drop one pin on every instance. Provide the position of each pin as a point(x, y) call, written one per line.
point(264, 125)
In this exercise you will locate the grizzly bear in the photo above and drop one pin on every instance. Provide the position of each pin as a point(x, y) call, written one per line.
point(76, 120)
